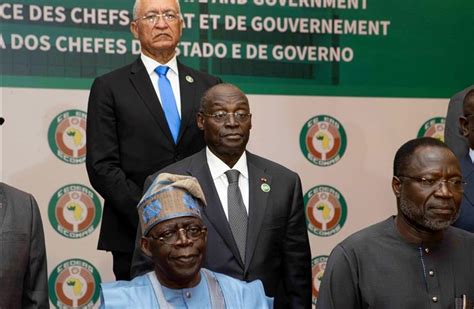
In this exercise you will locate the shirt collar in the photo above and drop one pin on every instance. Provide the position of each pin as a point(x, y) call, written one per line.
point(151, 64)
point(218, 167)
point(471, 154)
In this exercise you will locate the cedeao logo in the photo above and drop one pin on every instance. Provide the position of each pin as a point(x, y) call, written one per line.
point(67, 136)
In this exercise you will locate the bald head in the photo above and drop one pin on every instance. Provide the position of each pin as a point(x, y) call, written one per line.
point(221, 91)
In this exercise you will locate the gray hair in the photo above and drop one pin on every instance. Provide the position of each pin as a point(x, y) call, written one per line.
point(137, 2)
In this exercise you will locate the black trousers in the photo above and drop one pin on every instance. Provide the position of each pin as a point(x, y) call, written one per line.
point(122, 261)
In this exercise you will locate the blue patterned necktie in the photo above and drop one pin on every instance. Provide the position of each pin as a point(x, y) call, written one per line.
point(237, 212)
point(168, 101)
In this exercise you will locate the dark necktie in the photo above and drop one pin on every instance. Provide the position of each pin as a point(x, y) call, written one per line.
point(237, 212)
point(168, 102)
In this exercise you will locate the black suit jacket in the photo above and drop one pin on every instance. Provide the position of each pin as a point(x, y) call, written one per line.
point(277, 250)
point(128, 139)
point(466, 217)
point(452, 136)
point(23, 272)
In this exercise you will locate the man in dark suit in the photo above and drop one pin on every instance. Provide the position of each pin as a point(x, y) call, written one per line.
point(23, 273)
point(453, 136)
point(466, 216)
point(129, 130)
point(276, 249)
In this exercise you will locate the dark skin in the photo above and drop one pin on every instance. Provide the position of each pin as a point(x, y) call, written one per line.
point(227, 140)
point(467, 120)
point(437, 206)
point(177, 265)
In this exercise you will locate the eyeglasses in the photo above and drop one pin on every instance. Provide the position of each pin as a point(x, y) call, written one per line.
point(223, 116)
point(171, 236)
point(152, 19)
point(454, 184)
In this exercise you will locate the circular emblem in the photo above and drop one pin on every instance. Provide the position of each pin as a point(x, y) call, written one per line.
point(318, 265)
point(74, 211)
point(74, 284)
point(326, 210)
point(67, 136)
point(265, 187)
point(323, 140)
point(433, 128)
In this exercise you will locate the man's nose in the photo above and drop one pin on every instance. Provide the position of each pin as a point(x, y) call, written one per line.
point(230, 119)
point(182, 237)
point(444, 189)
point(161, 22)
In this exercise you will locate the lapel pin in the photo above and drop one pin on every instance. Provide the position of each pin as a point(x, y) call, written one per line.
point(265, 187)
point(189, 79)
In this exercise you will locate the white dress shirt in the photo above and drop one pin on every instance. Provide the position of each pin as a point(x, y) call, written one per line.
point(173, 76)
point(218, 169)
point(471, 154)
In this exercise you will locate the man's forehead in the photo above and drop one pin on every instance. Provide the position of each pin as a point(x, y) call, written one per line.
point(158, 5)
point(432, 157)
point(224, 95)
point(177, 221)
point(219, 101)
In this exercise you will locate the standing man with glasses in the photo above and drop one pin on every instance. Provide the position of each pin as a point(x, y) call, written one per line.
point(174, 237)
point(466, 217)
point(255, 211)
point(414, 259)
point(141, 118)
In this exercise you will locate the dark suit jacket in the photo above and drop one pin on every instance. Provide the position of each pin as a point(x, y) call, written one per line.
point(277, 251)
point(466, 217)
point(23, 273)
point(128, 139)
point(452, 136)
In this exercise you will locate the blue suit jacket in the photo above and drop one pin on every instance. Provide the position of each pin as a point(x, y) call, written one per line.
point(466, 218)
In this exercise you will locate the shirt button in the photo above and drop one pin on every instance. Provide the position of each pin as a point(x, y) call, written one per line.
point(434, 299)
point(427, 250)
point(187, 294)
point(431, 273)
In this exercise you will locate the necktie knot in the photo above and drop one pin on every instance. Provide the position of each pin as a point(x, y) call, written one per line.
point(232, 176)
point(162, 70)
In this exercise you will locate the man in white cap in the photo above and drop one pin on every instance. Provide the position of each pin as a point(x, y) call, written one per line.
point(174, 236)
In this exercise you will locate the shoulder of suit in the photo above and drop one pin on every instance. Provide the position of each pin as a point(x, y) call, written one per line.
point(268, 164)
point(122, 71)
point(198, 75)
point(10, 191)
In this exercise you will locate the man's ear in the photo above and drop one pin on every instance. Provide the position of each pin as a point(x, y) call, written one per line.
point(396, 185)
point(200, 121)
point(145, 246)
point(134, 29)
point(463, 126)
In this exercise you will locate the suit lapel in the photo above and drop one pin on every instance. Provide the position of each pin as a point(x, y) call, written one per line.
point(257, 205)
point(213, 211)
point(3, 206)
point(188, 97)
point(467, 168)
point(141, 81)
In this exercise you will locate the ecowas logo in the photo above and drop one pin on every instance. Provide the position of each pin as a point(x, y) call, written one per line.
point(74, 284)
point(318, 265)
point(74, 211)
point(326, 210)
point(67, 136)
point(323, 140)
point(433, 128)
